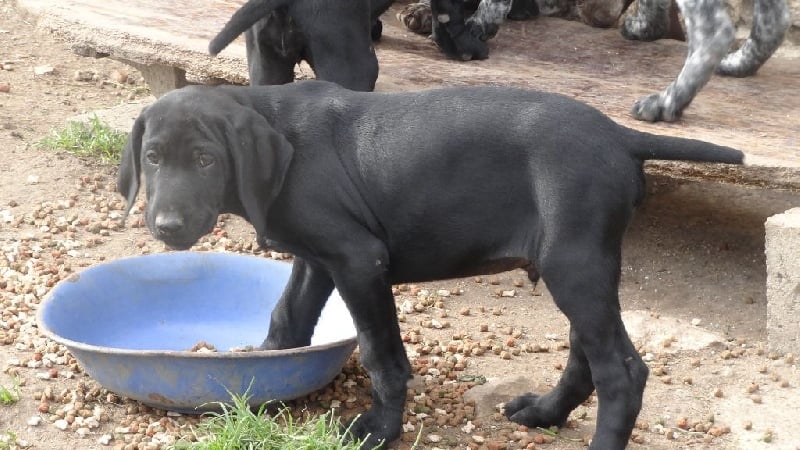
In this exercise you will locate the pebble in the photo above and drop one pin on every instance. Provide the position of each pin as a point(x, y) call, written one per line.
point(434, 438)
point(5, 88)
point(61, 424)
point(83, 75)
point(43, 70)
point(34, 421)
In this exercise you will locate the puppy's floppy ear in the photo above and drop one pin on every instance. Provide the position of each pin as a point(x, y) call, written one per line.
point(261, 158)
point(129, 166)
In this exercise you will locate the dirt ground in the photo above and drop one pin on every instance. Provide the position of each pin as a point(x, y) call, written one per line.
point(695, 253)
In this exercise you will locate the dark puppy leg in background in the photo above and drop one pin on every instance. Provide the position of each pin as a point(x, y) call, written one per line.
point(378, 7)
point(274, 46)
point(451, 33)
point(298, 310)
point(523, 9)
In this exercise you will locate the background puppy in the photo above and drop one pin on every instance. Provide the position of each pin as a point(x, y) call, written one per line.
point(373, 189)
point(334, 37)
point(709, 34)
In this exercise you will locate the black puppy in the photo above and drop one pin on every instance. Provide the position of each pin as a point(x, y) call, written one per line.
point(334, 37)
point(373, 189)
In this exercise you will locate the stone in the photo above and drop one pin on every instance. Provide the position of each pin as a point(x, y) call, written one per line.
point(652, 332)
point(782, 248)
point(498, 390)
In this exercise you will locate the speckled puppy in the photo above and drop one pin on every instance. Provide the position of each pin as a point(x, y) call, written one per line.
point(709, 32)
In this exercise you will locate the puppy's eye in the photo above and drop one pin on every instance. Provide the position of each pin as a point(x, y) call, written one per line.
point(204, 160)
point(152, 157)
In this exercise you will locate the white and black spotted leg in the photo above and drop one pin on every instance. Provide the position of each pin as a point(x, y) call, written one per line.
point(650, 22)
point(709, 33)
point(771, 21)
point(486, 20)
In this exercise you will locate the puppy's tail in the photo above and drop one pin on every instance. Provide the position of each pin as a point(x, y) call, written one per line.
point(652, 146)
point(244, 18)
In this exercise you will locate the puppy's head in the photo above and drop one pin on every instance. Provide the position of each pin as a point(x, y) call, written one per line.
point(201, 153)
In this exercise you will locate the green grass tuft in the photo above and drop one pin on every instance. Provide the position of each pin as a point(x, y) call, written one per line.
point(94, 139)
point(9, 396)
point(8, 440)
point(237, 427)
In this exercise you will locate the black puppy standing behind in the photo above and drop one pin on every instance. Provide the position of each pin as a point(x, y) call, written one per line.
point(370, 190)
point(334, 37)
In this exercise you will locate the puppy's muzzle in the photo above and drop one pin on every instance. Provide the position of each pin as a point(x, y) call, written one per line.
point(171, 228)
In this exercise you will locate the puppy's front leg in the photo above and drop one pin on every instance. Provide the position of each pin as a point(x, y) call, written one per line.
point(364, 285)
point(296, 314)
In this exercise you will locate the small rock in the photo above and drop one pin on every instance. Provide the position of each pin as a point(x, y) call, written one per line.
point(5, 87)
point(43, 70)
point(33, 179)
point(34, 421)
point(83, 75)
point(61, 424)
point(478, 439)
point(434, 438)
point(119, 76)
point(468, 428)
point(104, 439)
point(498, 390)
point(696, 321)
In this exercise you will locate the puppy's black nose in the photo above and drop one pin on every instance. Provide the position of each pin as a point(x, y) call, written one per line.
point(168, 224)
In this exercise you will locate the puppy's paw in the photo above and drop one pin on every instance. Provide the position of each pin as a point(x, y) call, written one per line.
point(637, 27)
point(417, 17)
point(652, 109)
point(375, 429)
point(274, 342)
point(737, 64)
point(533, 411)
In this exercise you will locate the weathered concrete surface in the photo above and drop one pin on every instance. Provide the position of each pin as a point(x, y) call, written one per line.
point(760, 115)
point(783, 281)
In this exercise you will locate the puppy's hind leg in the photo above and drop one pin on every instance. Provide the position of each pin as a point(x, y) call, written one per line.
point(583, 277)
point(297, 312)
point(553, 408)
point(709, 33)
point(771, 21)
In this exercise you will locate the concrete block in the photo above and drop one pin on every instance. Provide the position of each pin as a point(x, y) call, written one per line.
point(783, 281)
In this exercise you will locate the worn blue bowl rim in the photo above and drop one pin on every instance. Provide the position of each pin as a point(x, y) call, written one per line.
point(100, 349)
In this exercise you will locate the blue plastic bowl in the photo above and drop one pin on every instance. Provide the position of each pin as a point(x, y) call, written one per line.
point(131, 322)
